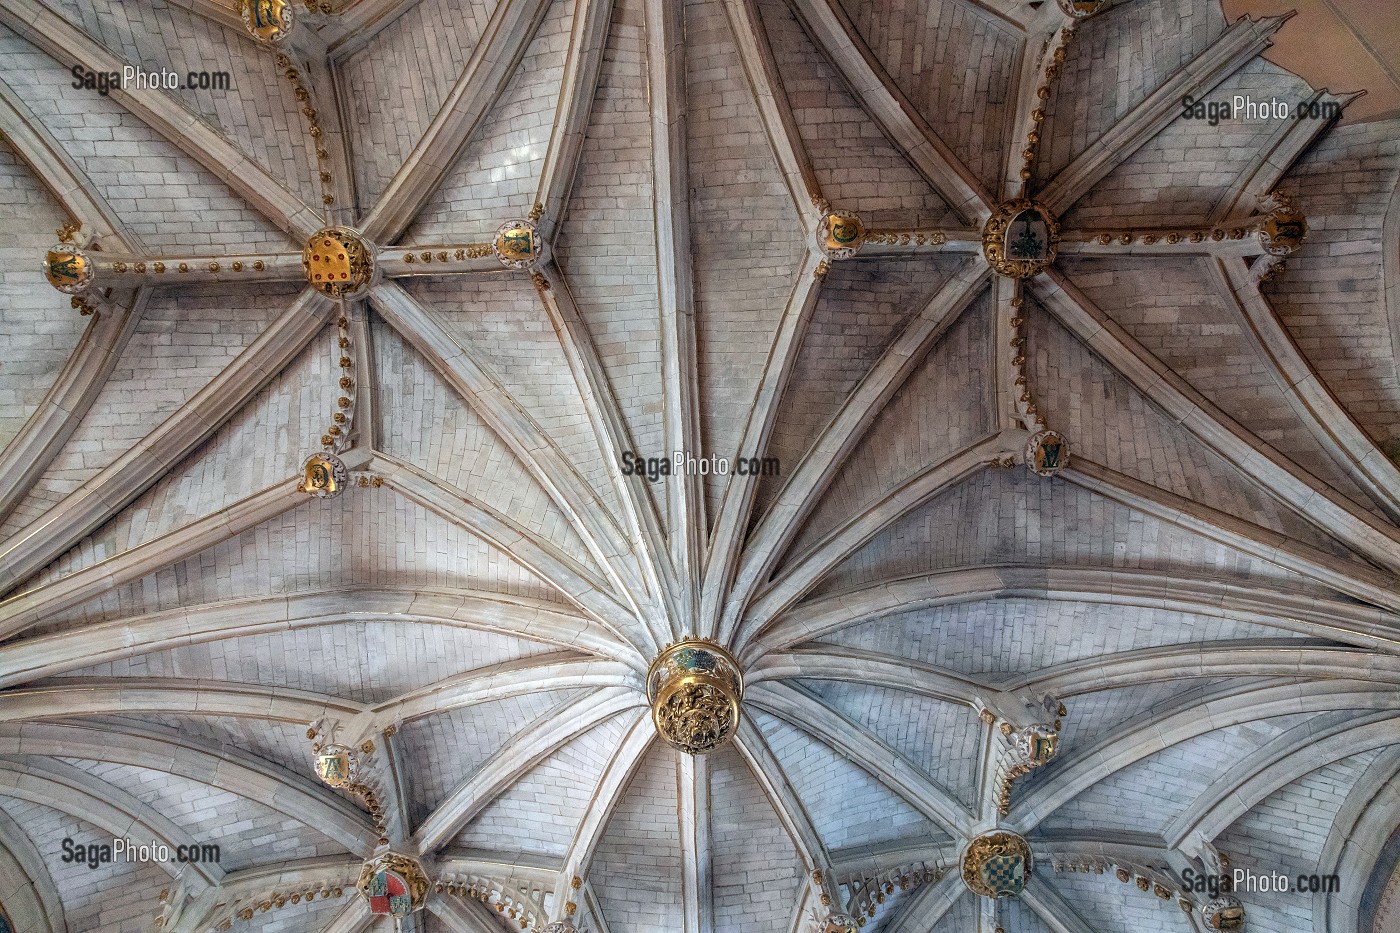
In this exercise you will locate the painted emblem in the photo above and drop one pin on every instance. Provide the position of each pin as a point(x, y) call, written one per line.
point(1037, 744)
point(1020, 239)
point(517, 244)
point(1283, 231)
point(268, 20)
point(337, 262)
point(68, 269)
point(840, 234)
point(1047, 453)
point(323, 476)
point(393, 884)
point(1081, 9)
point(1224, 913)
point(335, 765)
point(560, 926)
point(997, 864)
point(840, 923)
point(387, 893)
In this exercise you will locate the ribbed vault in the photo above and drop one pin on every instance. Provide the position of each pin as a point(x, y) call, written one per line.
point(1204, 599)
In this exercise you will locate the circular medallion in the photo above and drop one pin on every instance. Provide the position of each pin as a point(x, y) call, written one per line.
point(1047, 453)
point(997, 864)
point(840, 234)
point(1020, 240)
point(323, 476)
point(1284, 230)
point(840, 923)
point(695, 689)
point(560, 926)
point(68, 268)
point(1081, 9)
point(1223, 913)
point(1037, 744)
point(335, 765)
point(338, 262)
point(393, 884)
point(268, 20)
point(517, 244)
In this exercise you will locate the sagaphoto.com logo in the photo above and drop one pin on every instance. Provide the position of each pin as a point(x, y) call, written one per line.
point(131, 78)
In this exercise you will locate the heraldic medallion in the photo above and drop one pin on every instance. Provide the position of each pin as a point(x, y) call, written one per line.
point(997, 864)
point(517, 244)
point(268, 20)
point(1284, 229)
point(1224, 913)
point(393, 884)
point(1020, 240)
point(337, 262)
point(1047, 453)
point(68, 268)
point(323, 476)
point(335, 765)
point(840, 234)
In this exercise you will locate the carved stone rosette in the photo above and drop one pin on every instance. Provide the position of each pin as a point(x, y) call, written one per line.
point(338, 262)
point(1081, 9)
point(560, 926)
point(1021, 239)
point(997, 864)
point(695, 689)
point(393, 884)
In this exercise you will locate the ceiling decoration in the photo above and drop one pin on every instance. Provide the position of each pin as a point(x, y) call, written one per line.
point(652, 549)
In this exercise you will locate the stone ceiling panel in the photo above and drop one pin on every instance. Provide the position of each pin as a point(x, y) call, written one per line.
point(169, 359)
point(930, 48)
point(944, 406)
point(37, 327)
point(450, 747)
point(540, 813)
point(884, 298)
point(496, 177)
point(1105, 904)
point(858, 168)
point(940, 738)
point(398, 81)
point(638, 865)
point(169, 200)
point(262, 118)
point(756, 870)
point(1115, 61)
point(1286, 833)
point(1146, 796)
point(741, 216)
point(505, 323)
point(1185, 173)
point(373, 661)
point(1013, 517)
point(1176, 311)
point(461, 448)
point(366, 537)
point(113, 896)
point(848, 807)
point(1332, 295)
point(1018, 636)
point(607, 241)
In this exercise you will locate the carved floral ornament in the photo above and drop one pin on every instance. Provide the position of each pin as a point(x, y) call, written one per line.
point(695, 689)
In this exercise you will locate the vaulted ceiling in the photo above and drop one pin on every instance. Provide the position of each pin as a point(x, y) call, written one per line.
point(1208, 588)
